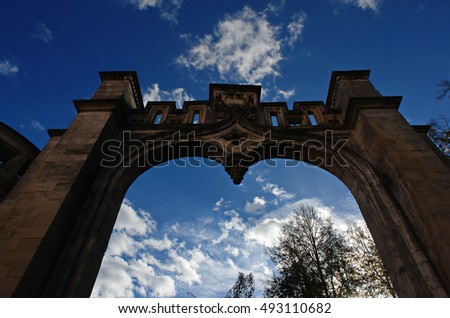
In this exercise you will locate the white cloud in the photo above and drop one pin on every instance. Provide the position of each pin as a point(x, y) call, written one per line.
point(159, 245)
point(187, 269)
point(123, 273)
point(175, 227)
point(231, 263)
point(256, 205)
point(260, 179)
point(144, 4)
point(179, 95)
point(295, 27)
point(340, 216)
point(218, 204)
point(42, 33)
point(235, 223)
point(286, 94)
point(6, 68)
point(37, 125)
point(233, 250)
point(134, 222)
point(265, 232)
point(276, 6)
point(121, 244)
point(168, 9)
point(365, 4)
point(118, 278)
point(165, 265)
point(277, 191)
point(245, 46)
point(149, 283)
point(113, 280)
point(222, 204)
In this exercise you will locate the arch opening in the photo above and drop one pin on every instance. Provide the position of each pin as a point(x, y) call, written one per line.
point(378, 209)
point(199, 219)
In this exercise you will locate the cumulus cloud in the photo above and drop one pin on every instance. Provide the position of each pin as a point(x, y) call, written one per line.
point(113, 280)
point(340, 216)
point(265, 232)
point(188, 269)
point(7, 68)
point(179, 95)
point(42, 33)
point(118, 278)
point(244, 46)
point(149, 283)
point(121, 243)
point(159, 245)
point(147, 262)
point(168, 9)
point(365, 4)
point(123, 272)
point(257, 205)
point(134, 222)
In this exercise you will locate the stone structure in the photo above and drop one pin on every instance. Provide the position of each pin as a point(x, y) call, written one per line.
point(56, 222)
point(16, 154)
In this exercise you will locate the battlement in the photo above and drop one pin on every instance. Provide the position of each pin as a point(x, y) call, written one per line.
point(230, 101)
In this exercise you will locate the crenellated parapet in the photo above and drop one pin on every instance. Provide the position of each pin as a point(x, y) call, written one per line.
point(233, 101)
point(227, 101)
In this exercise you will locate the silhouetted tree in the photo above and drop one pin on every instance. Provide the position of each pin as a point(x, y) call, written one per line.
point(440, 127)
point(439, 133)
point(315, 259)
point(444, 89)
point(243, 287)
point(373, 278)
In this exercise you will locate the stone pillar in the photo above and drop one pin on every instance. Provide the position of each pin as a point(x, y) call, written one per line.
point(415, 175)
point(39, 212)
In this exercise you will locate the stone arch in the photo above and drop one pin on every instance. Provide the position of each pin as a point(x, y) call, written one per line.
point(68, 249)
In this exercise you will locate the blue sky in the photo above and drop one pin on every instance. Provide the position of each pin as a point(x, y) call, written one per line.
point(190, 230)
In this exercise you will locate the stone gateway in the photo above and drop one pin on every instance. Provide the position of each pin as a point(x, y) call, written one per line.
point(59, 205)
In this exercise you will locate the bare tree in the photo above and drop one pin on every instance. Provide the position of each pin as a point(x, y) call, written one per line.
point(313, 259)
point(439, 133)
point(444, 89)
point(373, 278)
